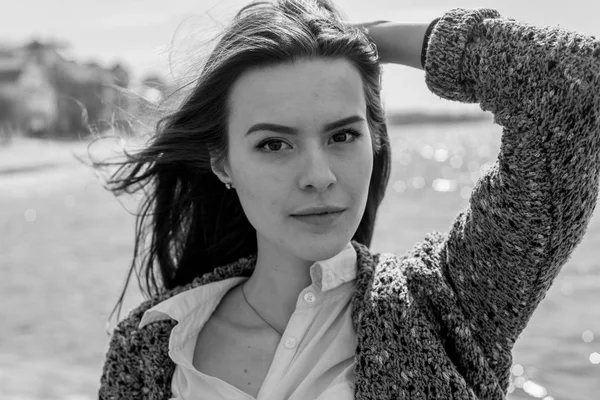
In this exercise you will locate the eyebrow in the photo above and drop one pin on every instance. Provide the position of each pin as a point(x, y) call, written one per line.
point(266, 126)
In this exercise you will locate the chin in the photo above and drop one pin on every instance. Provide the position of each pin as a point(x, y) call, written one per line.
point(319, 249)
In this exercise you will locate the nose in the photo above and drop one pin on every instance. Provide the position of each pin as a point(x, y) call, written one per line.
point(316, 171)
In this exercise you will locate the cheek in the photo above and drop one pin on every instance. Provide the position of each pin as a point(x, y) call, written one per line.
point(362, 167)
point(263, 201)
point(259, 188)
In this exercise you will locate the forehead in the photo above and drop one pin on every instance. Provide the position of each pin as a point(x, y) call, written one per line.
point(299, 93)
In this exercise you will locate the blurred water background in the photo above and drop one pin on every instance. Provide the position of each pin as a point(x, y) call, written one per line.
point(66, 243)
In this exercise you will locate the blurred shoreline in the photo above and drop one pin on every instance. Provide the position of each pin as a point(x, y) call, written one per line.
point(413, 117)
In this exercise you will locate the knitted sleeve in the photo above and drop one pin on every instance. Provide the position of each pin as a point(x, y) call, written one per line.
point(528, 213)
point(432, 24)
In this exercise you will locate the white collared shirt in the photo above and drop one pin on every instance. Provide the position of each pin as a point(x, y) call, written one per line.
point(314, 359)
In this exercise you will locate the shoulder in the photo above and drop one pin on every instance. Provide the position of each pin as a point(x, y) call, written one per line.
point(137, 359)
point(129, 340)
point(387, 274)
point(130, 323)
point(388, 282)
point(424, 262)
point(416, 271)
point(135, 354)
point(426, 252)
point(241, 267)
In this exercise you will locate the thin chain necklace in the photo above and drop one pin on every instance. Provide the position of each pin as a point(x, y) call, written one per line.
point(257, 313)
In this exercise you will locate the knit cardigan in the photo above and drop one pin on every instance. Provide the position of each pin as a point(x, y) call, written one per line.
point(440, 321)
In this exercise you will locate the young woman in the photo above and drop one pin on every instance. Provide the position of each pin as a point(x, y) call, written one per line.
point(263, 189)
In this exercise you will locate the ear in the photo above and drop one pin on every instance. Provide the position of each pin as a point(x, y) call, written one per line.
point(221, 170)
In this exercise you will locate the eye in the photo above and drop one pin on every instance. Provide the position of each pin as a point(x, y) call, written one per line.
point(349, 131)
point(274, 145)
point(269, 143)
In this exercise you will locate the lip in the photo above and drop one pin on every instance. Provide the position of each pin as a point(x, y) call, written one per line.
point(318, 210)
point(322, 220)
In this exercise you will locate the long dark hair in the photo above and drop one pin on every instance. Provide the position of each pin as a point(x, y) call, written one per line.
point(188, 222)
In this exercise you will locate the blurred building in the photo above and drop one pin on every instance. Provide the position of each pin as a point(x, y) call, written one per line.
point(27, 97)
point(44, 94)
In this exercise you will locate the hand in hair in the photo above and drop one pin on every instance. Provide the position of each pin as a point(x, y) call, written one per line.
point(397, 42)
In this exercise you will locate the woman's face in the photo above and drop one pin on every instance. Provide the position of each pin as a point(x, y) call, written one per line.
point(280, 171)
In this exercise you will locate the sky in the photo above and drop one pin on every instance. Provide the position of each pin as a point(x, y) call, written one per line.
point(160, 35)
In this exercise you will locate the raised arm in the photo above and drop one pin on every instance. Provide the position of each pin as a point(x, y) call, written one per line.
point(529, 212)
point(532, 208)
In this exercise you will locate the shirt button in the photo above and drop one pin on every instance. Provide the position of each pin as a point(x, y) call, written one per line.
point(309, 297)
point(290, 343)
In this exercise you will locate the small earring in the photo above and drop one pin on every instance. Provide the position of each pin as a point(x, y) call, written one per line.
point(228, 185)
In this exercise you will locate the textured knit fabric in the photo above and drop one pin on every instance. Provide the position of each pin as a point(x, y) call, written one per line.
point(425, 44)
point(439, 322)
point(314, 359)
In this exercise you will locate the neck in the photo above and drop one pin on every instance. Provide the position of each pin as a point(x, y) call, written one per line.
point(275, 284)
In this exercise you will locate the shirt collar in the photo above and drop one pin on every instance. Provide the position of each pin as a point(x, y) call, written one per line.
point(325, 275)
point(183, 304)
point(333, 272)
